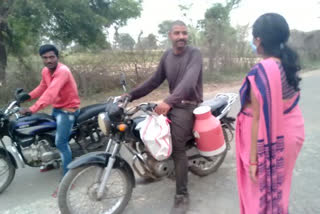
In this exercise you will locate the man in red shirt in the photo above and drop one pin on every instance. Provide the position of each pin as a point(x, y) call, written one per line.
point(59, 89)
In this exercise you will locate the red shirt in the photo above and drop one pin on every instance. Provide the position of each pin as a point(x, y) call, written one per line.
point(58, 89)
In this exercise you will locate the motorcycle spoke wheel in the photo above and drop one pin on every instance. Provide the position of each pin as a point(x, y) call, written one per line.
point(207, 165)
point(82, 192)
point(4, 171)
point(7, 172)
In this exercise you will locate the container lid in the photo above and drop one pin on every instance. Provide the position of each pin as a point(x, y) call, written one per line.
point(201, 110)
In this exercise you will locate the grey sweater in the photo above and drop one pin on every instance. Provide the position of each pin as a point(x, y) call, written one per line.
point(183, 73)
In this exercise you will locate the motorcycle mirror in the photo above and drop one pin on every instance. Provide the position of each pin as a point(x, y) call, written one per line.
point(123, 81)
point(23, 97)
point(20, 95)
point(17, 92)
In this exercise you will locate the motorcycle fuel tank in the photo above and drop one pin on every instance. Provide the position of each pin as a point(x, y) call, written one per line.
point(33, 125)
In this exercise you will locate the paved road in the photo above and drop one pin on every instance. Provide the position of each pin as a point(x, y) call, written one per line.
point(215, 194)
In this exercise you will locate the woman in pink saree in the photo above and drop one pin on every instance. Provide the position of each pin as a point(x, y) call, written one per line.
point(270, 126)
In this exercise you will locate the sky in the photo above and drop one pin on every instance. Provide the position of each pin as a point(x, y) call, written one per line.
point(302, 15)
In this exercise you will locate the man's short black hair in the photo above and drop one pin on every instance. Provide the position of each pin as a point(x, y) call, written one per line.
point(48, 47)
point(177, 22)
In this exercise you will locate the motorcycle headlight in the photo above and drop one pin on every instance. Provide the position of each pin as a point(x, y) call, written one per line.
point(104, 123)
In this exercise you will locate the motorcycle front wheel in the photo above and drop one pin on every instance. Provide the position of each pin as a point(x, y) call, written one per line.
point(7, 172)
point(78, 191)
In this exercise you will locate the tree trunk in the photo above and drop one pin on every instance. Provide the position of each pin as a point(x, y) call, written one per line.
point(136, 70)
point(211, 56)
point(3, 60)
point(4, 13)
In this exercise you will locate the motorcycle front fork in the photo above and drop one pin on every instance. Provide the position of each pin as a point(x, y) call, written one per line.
point(107, 170)
point(14, 152)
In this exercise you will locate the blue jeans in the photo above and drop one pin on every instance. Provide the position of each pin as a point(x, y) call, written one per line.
point(65, 121)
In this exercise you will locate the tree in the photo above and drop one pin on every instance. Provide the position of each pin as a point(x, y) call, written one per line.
point(217, 28)
point(152, 41)
point(164, 28)
point(306, 44)
point(125, 41)
point(194, 35)
point(83, 21)
point(19, 27)
point(147, 43)
point(23, 23)
point(4, 30)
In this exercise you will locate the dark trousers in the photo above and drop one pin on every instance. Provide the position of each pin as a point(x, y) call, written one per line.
point(182, 120)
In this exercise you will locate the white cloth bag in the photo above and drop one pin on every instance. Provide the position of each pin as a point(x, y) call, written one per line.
point(155, 134)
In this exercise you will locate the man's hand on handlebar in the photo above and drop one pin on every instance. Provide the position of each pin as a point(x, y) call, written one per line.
point(125, 97)
point(25, 111)
point(162, 108)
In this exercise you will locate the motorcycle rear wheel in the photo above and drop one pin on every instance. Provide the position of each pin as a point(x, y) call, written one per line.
point(7, 172)
point(201, 169)
point(76, 197)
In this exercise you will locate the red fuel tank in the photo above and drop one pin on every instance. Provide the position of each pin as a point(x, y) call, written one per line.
point(208, 132)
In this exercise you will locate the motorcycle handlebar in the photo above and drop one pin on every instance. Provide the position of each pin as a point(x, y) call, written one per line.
point(126, 101)
point(11, 105)
point(145, 107)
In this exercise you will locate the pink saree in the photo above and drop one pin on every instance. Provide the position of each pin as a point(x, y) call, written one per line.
point(280, 138)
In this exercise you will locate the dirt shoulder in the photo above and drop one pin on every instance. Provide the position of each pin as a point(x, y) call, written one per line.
point(209, 90)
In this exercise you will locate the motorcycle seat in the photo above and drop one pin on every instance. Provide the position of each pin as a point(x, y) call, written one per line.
point(90, 111)
point(216, 104)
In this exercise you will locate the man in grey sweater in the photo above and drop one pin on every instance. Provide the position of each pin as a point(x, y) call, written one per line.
point(181, 66)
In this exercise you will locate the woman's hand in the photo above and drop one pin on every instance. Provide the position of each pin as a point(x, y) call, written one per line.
point(253, 172)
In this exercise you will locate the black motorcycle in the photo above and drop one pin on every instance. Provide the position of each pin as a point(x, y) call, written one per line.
point(102, 182)
point(30, 140)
